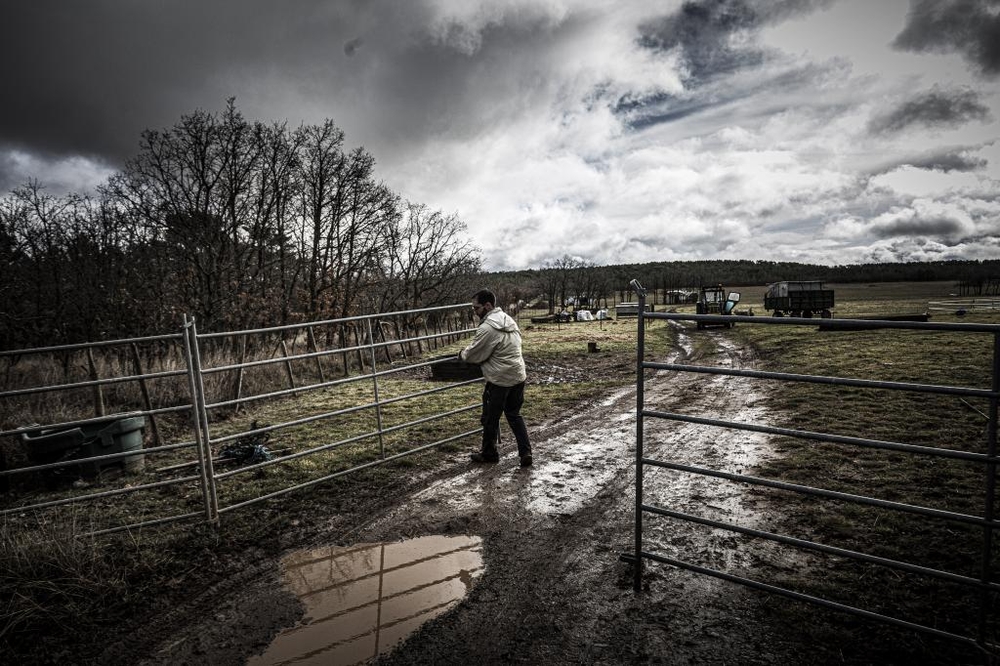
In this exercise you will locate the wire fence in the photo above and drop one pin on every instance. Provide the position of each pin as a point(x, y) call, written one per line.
point(964, 305)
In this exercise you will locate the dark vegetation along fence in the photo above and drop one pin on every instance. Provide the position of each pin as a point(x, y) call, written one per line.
point(955, 603)
point(207, 423)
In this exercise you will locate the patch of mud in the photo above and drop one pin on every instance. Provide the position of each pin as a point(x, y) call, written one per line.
point(563, 524)
point(554, 589)
point(716, 449)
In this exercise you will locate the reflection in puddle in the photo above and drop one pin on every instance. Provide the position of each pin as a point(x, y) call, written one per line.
point(362, 600)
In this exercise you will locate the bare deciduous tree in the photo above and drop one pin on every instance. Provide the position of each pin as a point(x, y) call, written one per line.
point(240, 224)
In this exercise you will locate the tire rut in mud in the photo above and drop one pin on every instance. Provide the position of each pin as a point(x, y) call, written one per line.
point(555, 590)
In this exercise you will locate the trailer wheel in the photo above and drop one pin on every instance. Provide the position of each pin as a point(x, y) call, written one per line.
point(827, 314)
point(779, 313)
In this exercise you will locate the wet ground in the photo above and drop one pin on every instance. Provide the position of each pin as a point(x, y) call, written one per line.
point(361, 601)
point(531, 571)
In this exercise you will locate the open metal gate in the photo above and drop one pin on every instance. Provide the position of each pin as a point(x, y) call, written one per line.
point(985, 585)
point(206, 389)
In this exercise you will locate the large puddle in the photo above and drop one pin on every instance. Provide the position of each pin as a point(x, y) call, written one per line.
point(362, 600)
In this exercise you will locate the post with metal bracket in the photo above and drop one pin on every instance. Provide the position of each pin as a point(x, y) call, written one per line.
point(639, 401)
point(212, 507)
point(193, 369)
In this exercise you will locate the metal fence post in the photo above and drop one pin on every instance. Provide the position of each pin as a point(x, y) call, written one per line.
point(202, 411)
point(378, 404)
point(199, 436)
point(639, 406)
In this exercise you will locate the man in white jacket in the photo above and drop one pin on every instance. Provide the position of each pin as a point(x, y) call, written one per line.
point(496, 348)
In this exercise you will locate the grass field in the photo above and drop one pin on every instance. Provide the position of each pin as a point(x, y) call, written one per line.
point(940, 421)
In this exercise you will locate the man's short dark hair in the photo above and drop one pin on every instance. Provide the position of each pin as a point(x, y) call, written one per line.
point(485, 296)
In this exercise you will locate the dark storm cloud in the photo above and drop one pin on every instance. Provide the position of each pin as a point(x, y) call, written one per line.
point(969, 27)
point(938, 226)
point(666, 108)
point(703, 32)
point(948, 162)
point(934, 108)
point(92, 76)
point(945, 160)
point(644, 113)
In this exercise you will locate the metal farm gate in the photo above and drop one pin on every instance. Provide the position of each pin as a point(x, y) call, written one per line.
point(984, 586)
point(169, 397)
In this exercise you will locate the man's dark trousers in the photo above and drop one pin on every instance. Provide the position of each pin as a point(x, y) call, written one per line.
point(506, 400)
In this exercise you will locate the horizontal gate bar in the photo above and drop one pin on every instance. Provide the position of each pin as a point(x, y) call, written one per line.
point(148, 523)
point(106, 456)
point(92, 382)
point(284, 392)
point(830, 494)
point(326, 322)
point(339, 412)
point(824, 437)
point(97, 419)
point(820, 379)
point(826, 603)
point(333, 352)
point(344, 472)
point(833, 324)
point(91, 496)
point(349, 440)
point(823, 548)
point(85, 345)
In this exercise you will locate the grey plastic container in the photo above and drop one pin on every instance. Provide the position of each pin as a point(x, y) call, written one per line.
point(116, 434)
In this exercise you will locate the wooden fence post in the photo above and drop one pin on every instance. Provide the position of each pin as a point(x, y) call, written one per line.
point(288, 364)
point(137, 363)
point(400, 337)
point(315, 349)
point(342, 337)
point(385, 341)
point(239, 373)
point(357, 343)
point(98, 394)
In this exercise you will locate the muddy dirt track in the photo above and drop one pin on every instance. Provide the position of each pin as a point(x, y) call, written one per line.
point(551, 588)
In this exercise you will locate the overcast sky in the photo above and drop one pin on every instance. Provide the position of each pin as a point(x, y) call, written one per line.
point(821, 131)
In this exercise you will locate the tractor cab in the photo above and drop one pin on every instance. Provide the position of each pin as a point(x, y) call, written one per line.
point(713, 299)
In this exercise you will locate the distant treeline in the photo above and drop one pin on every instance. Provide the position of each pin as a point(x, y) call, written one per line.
point(568, 279)
point(238, 224)
point(678, 274)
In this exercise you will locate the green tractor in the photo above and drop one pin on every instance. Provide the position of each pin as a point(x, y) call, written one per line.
point(713, 300)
